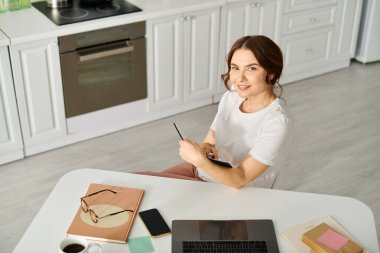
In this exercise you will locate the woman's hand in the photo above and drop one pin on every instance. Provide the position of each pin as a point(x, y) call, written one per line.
point(191, 152)
point(210, 150)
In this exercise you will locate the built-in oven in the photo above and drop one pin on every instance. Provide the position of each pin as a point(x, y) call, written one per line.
point(103, 68)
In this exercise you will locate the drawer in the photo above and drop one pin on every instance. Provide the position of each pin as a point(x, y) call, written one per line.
point(307, 20)
point(303, 51)
point(298, 5)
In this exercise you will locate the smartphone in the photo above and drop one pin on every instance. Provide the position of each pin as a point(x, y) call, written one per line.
point(154, 222)
point(221, 163)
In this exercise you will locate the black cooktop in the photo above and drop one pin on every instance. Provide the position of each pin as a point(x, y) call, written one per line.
point(81, 12)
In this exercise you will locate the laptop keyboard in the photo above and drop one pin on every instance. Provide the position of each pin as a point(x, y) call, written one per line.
point(224, 246)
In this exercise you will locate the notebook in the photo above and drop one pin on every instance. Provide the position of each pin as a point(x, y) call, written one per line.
point(224, 236)
point(122, 204)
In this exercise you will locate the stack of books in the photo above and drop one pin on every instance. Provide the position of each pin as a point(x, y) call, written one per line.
point(322, 235)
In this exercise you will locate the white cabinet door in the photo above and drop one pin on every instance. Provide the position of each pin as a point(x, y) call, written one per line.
point(11, 147)
point(248, 18)
point(349, 12)
point(165, 64)
point(265, 19)
point(201, 54)
point(37, 77)
point(183, 63)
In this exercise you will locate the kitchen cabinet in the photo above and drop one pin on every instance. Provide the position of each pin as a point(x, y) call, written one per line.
point(11, 147)
point(318, 36)
point(257, 17)
point(308, 31)
point(38, 85)
point(183, 50)
point(186, 47)
point(368, 49)
point(349, 12)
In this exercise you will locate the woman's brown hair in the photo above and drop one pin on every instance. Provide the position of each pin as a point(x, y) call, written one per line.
point(267, 53)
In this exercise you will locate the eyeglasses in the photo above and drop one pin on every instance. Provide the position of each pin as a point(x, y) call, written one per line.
point(94, 217)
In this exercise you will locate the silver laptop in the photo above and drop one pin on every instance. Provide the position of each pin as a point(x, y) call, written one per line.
point(223, 236)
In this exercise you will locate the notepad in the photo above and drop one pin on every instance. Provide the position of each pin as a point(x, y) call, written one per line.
point(140, 245)
point(332, 239)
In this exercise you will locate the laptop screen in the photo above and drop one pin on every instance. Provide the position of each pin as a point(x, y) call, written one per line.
point(223, 230)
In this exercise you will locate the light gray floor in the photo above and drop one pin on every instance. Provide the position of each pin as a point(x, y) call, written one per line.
point(335, 148)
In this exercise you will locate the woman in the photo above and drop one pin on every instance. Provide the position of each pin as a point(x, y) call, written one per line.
point(251, 128)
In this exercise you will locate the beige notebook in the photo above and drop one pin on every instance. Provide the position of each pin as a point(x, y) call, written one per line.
point(293, 235)
point(111, 200)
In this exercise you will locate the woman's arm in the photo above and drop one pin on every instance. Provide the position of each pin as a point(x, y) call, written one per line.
point(237, 177)
point(210, 138)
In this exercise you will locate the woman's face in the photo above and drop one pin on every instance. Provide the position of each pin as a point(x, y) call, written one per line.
point(246, 75)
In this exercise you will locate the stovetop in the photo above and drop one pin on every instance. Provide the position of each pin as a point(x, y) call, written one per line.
point(81, 12)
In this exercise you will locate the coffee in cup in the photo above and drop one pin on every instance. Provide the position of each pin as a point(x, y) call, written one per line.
point(76, 245)
point(73, 248)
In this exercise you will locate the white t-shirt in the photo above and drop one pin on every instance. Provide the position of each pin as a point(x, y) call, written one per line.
point(264, 135)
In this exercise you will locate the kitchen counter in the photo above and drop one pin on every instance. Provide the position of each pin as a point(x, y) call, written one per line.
point(4, 41)
point(30, 24)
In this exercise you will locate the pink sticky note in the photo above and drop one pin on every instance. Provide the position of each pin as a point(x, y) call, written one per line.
point(332, 239)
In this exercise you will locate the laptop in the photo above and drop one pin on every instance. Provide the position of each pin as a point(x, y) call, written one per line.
point(223, 236)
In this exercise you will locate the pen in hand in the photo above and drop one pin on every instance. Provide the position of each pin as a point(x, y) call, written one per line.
point(176, 128)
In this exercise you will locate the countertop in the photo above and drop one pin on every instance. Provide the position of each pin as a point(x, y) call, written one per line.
point(30, 24)
point(4, 41)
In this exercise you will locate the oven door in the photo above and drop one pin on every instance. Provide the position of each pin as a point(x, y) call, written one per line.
point(103, 76)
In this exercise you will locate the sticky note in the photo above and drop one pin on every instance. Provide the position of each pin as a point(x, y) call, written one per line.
point(140, 245)
point(332, 239)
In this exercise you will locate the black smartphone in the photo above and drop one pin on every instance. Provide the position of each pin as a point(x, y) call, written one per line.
point(221, 163)
point(154, 222)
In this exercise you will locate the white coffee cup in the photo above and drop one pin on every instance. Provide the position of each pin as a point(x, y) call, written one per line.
point(77, 245)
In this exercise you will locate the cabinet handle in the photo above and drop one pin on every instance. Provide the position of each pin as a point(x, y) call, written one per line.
point(188, 18)
point(101, 54)
point(256, 5)
point(309, 51)
point(313, 20)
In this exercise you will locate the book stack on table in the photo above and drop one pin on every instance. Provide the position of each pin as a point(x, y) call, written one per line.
point(322, 235)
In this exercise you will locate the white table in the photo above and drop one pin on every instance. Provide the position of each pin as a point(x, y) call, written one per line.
point(181, 199)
